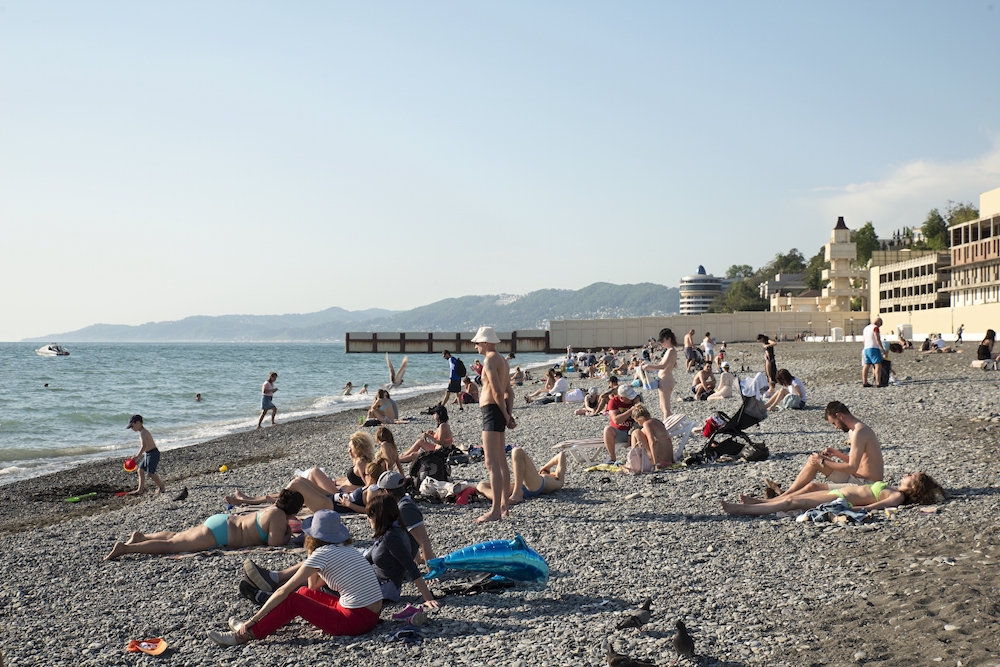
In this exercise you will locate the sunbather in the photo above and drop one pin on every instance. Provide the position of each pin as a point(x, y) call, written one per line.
point(724, 388)
point(526, 483)
point(653, 437)
point(430, 440)
point(917, 487)
point(790, 394)
point(268, 526)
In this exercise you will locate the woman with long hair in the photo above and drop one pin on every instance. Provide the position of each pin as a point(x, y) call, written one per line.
point(391, 555)
point(917, 487)
point(665, 369)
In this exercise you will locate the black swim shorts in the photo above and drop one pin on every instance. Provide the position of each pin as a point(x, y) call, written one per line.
point(493, 419)
point(455, 385)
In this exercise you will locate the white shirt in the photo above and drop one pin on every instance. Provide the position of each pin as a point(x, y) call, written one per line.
point(560, 387)
point(871, 335)
point(268, 388)
point(799, 388)
point(346, 571)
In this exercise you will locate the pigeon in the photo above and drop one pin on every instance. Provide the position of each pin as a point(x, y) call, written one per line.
point(637, 618)
point(182, 495)
point(683, 643)
point(619, 660)
point(395, 377)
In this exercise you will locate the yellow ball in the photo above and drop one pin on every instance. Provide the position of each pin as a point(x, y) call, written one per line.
point(224, 468)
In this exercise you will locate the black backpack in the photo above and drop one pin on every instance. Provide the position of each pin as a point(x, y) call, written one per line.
point(460, 368)
point(431, 464)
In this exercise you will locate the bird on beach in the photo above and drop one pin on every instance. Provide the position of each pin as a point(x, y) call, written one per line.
point(683, 643)
point(620, 660)
point(182, 495)
point(637, 618)
point(395, 377)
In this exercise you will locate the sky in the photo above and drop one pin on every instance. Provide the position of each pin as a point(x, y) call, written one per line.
point(161, 160)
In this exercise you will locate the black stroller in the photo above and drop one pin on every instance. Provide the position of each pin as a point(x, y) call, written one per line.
point(729, 439)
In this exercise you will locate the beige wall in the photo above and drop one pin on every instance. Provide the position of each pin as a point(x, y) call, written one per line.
point(977, 319)
point(730, 327)
point(989, 203)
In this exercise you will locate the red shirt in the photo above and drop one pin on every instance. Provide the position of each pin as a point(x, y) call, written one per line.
point(614, 404)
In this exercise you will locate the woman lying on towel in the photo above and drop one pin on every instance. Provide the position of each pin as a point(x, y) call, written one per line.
point(269, 526)
point(917, 487)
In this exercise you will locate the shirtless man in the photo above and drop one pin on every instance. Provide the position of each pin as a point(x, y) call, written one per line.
point(704, 382)
point(862, 465)
point(496, 401)
point(653, 437)
point(527, 483)
point(267, 399)
point(148, 456)
point(666, 368)
point(688, 349)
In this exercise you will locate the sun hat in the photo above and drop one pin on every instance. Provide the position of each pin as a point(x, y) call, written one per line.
point(390, 480)
point(628, 392)
point(593, 390)
point(325, 525)
point(486, 335)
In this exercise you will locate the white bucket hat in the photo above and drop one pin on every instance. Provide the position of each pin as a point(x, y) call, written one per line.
point(486, 335)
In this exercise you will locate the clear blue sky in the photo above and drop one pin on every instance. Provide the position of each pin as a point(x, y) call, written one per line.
point(161, 160)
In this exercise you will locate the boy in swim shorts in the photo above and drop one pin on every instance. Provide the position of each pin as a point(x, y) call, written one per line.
point(148, 456)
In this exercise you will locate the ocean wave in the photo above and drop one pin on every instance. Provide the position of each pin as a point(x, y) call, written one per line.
point(22, 454)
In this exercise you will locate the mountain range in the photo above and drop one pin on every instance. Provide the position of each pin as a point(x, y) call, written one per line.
point(505, 312)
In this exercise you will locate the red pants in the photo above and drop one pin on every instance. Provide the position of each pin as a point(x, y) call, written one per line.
point(322, 610)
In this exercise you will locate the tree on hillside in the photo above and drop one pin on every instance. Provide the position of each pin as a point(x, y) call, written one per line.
point(958, 212)
point(791, 262)
point(935, 231)
point(741, 271)
point(741, 295)
point(813, 277)
point(867, 241)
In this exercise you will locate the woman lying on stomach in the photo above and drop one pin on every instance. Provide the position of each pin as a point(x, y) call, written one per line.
point(917, 487)
point(269, 526)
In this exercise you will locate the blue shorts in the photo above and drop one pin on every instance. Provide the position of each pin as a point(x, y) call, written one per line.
point(872, 356)
point(219, 525)
point(266, 403)
point(150, 461)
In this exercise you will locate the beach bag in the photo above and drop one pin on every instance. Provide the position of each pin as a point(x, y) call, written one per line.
point(638, 461)
point(713, 424)
point(574, 396)
point(649, 381)
point(460, 368)
point(727, 447)
point(755, 452)
point(432, 464)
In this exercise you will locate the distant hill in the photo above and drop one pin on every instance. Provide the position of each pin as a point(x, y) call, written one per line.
point(505, 312)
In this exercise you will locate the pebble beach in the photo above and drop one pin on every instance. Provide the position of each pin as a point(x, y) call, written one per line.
point(913, 589)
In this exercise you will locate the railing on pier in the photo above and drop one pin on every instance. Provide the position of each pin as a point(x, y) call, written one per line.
point(437, 342)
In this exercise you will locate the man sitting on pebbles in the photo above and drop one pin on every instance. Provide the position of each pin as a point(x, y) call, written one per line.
point(620, 411)
point(862, 465)
point(526, 483)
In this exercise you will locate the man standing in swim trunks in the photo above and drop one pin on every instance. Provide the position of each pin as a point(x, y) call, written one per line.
point(148, 456)
point(862, 465)
point(689, 351)
point(267, 399)
point(496, 401)
point(873, 352)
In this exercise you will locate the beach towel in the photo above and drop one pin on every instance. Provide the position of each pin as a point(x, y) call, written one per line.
point(831, 511)
point(753, 386)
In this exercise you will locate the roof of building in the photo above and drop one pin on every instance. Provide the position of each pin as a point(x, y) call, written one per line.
point(840, 223)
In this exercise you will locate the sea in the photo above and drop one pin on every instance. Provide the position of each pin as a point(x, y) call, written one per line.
point(58, 412)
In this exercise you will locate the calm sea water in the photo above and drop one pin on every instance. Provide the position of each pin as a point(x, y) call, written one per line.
point(84, 411)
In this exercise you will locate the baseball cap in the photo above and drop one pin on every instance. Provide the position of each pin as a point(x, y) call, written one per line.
point(725, 364)
point(390, 480)
point(134, 419)
point(625, 391)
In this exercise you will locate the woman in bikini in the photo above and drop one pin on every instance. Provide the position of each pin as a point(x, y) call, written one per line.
point(917, 487)
point(666, 370)
point(268, 527)
point(525, 482)
point(430, 440)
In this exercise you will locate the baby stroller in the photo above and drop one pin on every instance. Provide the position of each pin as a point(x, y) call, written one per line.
point(729, 438)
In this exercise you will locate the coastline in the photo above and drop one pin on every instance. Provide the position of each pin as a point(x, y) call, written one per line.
point(754, 592)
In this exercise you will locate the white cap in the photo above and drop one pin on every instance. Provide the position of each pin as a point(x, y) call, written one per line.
point(626, 391)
